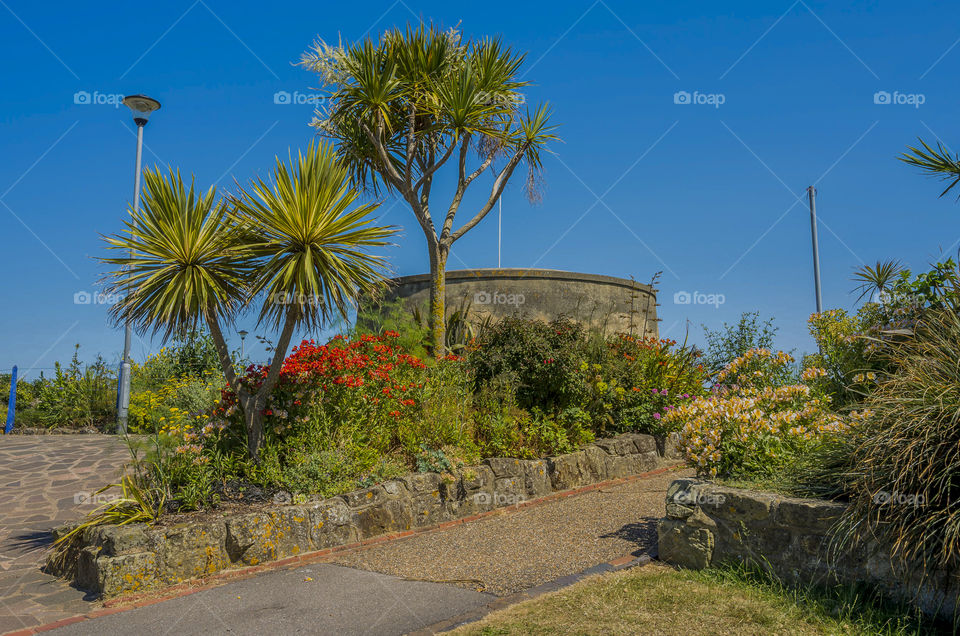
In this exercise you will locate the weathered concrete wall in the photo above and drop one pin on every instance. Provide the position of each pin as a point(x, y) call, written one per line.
point(119, 559)
point(614, 304)
point(709, 524)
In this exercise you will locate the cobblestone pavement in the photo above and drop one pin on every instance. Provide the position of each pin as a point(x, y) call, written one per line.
point(41, 479)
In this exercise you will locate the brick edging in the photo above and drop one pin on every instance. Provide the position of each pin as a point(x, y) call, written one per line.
point(129, 602)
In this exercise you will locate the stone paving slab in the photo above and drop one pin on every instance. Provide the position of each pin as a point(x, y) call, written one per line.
point(41, 477)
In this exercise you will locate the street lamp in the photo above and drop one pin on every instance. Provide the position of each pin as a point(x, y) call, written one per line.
point(142, 106)
point(243, 336)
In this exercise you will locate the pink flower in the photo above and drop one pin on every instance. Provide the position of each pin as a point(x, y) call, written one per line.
point(663, 391)
point(656, 416)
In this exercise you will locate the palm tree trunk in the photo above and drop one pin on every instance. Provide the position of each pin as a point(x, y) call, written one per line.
point(253, 423)
point(438, 309)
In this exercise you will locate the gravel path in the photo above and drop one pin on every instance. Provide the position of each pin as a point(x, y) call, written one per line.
point(517, 550)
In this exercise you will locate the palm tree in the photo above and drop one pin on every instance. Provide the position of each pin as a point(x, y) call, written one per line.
point(404, 106)
point(876, 279)
point(295, 244)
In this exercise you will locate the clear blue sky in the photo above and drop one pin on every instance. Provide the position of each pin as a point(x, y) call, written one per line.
point(711, 194)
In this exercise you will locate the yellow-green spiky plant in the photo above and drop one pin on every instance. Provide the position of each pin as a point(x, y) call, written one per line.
point(297, 243)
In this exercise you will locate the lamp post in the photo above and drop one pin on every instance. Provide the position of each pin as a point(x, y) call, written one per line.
point(142, 106)
point(243, 336)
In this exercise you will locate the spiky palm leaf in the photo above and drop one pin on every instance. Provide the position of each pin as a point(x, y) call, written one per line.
point(313, 246)
point(936, 163)
point(181, 259)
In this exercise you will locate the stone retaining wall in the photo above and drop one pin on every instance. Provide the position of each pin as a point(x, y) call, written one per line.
point(708, 524)
point(119, 559)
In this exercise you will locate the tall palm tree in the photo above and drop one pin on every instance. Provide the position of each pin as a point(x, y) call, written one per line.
point(297, 244)
point(402, 107)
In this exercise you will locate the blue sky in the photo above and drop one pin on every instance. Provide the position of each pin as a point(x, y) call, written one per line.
point(710, 193)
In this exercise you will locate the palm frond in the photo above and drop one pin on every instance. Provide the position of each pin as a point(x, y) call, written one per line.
point(935, 162)
point(179, 260)
point(313, 247)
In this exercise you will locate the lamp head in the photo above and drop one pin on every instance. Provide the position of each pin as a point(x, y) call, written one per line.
point(142, 106)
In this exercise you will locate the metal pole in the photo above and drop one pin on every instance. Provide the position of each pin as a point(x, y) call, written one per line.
point(242, 353)
point(124, 405)
point(811, 195)
point(12, 404)
point(499, 227)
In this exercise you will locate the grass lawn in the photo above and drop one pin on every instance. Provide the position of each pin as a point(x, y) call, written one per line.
point(657, 599)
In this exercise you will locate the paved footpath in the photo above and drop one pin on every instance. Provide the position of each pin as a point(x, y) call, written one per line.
point(387, 588)
point(41, 477)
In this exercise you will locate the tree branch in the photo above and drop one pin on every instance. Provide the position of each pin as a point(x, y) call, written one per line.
point(498, 185)
point(391, 172)
point(428, 173)
point(464, 183)
point(411, 141)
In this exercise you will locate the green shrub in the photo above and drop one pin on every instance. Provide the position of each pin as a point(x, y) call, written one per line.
point(637, 382)
point(732, 341)
point(78, 395)
point(190, 355)
point(845, 353)
point(542, 359)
